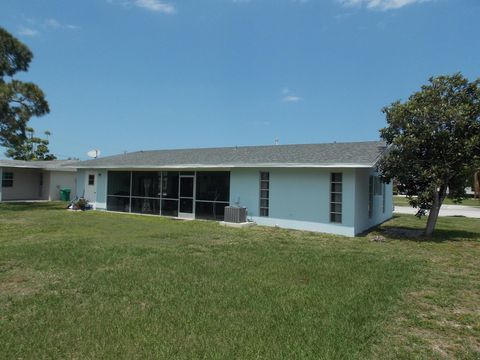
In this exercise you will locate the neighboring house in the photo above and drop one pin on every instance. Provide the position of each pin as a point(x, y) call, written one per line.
point(332, 188)
point(36, 180)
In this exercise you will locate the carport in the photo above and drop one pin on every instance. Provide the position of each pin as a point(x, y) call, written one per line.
point(36, 180)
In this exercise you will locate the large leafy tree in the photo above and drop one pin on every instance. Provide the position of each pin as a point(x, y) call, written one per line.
point(33, 148)
point(19, 100)
point(435, 143)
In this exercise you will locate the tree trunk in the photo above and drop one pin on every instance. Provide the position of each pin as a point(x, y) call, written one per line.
point(432, 218)
point(438, 198)
point(476, 185)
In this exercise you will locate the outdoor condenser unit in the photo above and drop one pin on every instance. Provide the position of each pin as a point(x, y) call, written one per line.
point(235, 214)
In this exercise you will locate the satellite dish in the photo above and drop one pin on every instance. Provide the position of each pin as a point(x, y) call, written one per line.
point(94, 153)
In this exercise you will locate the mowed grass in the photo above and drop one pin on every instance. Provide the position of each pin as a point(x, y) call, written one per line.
point(103, 285)
point(403, 201)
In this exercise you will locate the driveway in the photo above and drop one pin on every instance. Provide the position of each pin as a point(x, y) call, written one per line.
point(445, 210)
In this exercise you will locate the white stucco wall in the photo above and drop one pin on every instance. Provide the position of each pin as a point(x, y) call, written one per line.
point(26, 185)
point(61, 180)
point(299, 198)
point(81, 178)
point(362, 220)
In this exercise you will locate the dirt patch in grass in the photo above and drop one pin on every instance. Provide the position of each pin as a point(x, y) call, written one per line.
point(19, 285)
point(17, 281)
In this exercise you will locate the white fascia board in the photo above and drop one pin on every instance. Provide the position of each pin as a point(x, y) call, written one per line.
point(229, 166)
point(69, 169)
point(60, 170)
point(21, 167)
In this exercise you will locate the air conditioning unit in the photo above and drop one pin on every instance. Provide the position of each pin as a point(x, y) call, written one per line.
point(235, 214)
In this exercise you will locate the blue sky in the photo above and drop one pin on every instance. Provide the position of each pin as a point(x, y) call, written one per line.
point(125, 75)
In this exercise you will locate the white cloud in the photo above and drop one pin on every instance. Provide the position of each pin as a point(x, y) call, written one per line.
point(291, 98)
point(155, 5)
point(26, 31)
point(55, 24)
point(52, 23)
point(380, 4)
point(36, 26)
point(288, 96)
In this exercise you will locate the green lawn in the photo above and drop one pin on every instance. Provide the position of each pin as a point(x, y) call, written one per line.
point(101, 285)
point(403, 201)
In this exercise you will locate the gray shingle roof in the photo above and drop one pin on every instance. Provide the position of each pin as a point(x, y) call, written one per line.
point(57, 165)
point(355, 154)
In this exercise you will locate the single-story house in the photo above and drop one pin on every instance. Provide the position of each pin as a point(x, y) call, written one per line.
point(36, 180)
point(331, 188)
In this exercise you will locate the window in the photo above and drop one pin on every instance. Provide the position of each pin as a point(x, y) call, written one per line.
point(377, 186)
point(264, 193)
point(7, 179)
point(91, 179)
point(336, 197)
point(370, 197)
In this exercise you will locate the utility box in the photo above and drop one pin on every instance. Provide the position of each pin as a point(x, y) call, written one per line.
point(235, 214)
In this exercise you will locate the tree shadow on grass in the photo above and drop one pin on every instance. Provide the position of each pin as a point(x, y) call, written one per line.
point(30, 206)
point(439, 236)
point(404, 231)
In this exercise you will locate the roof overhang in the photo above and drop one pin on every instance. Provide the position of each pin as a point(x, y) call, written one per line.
point(18, 166)
point(227, 166)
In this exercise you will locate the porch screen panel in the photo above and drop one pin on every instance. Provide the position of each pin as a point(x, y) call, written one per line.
point(170, 185)
point(169, 193)
point(146, 192)
point(146, 206)
point(118, 191)
point(146, 184)
point(170, 208)
point(212, 194)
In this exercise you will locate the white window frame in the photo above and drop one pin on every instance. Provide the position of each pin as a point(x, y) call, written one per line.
point(11, 178)
point(261, 208)
point(370, 196)
point(333, 214)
